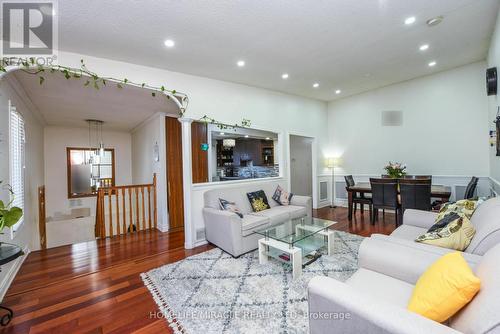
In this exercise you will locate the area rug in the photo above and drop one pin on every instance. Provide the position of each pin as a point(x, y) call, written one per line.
point(213, 292)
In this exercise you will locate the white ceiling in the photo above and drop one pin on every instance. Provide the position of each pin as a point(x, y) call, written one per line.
point(352, 45)
point(69, 103)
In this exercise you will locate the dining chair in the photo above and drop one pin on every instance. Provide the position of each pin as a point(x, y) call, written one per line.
point(471, 188)
point(384, 196)
point(360, 199)
point(415, 194)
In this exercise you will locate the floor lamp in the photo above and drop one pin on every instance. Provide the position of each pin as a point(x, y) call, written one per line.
point(332, 163)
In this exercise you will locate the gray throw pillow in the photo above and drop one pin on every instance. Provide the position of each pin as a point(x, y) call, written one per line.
point(230, 206)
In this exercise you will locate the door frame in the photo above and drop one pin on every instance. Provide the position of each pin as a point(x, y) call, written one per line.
point(314, 154)
point(176, 117)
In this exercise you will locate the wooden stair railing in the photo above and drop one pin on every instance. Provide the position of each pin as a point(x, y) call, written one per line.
point(41, 217)
point(126, 209)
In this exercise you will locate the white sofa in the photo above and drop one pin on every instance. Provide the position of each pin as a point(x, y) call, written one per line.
point(375, 298)
point(235, 235)
point(486, 221)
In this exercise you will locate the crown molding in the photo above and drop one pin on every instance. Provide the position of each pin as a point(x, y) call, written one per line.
point(23, 95)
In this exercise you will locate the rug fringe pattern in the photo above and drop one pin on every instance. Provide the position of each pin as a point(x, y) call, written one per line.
point(165, 309)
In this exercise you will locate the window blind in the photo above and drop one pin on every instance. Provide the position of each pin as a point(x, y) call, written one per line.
point(17, 150)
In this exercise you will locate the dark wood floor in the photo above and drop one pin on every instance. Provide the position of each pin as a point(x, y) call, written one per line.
point(95, 287)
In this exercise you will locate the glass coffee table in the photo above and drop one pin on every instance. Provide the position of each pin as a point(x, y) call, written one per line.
point(296, 242)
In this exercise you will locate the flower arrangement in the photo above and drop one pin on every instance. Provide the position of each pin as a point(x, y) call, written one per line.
point(395, 170)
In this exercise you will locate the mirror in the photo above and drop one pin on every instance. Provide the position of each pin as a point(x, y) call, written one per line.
point(88, 170)
point(233, 154)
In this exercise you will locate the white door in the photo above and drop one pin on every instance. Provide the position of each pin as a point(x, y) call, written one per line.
point(301, 165)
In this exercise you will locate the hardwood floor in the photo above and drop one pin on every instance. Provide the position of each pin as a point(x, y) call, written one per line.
point(95, 287)
point(360, 224)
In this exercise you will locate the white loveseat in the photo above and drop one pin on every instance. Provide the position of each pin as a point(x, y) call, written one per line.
point(235, 235)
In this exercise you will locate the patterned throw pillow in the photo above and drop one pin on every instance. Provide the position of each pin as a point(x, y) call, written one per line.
point(282, 196)
point(452, 229)
point(465, 207)
point(230, 206)
point(452, 232)
point(258, 200)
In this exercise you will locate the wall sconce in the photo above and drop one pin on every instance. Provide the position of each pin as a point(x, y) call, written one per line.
point(156, 152)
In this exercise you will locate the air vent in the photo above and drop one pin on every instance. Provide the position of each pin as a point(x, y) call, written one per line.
point(200, 234)
point(323, 190)
point(392, 118)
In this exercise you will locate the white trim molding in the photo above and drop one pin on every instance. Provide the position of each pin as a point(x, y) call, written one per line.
point(485, 185)
point(187, 181)
point(495, 186)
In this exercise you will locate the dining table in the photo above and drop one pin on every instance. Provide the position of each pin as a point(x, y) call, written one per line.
point(363, 188)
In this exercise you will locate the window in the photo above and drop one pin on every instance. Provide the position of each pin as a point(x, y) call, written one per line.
point(17, 151)
point(88, 171)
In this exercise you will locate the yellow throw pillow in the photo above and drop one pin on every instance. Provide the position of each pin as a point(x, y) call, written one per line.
point(445, 287)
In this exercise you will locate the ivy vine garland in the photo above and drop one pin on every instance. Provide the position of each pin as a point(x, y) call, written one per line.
point(92, 79)
point(245, 123)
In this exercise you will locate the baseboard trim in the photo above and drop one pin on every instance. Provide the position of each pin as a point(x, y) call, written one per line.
point(200, 242)
point(322, 205)
point(11, 274)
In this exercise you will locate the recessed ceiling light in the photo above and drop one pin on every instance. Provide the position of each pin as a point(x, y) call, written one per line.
point(169, 43)
point(410, 20)
point(284, 76)
point(246, 136)
point(267, 138)
point(338, 91)
point(434, 21)
point(432, 63)
point(222, 133)
point(316, 85)
point(423, 47)
point(240, 63)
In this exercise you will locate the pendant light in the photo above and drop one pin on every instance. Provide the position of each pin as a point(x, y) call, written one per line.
point(96, 143)
point(101, 144)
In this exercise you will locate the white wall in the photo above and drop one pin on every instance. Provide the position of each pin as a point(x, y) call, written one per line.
point(27, 235)
point(494, 102)
point(444, 131)
point(144, 139)
point(57, 139)
point(228, 103)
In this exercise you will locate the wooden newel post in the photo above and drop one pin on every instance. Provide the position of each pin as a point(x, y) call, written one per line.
point(97, 227)
point(41, 217)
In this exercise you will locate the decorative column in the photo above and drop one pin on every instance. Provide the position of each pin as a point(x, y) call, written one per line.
point(187, 181)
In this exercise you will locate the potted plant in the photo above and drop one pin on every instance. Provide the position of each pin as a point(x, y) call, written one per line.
point(395, 170)
point(9, 215)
